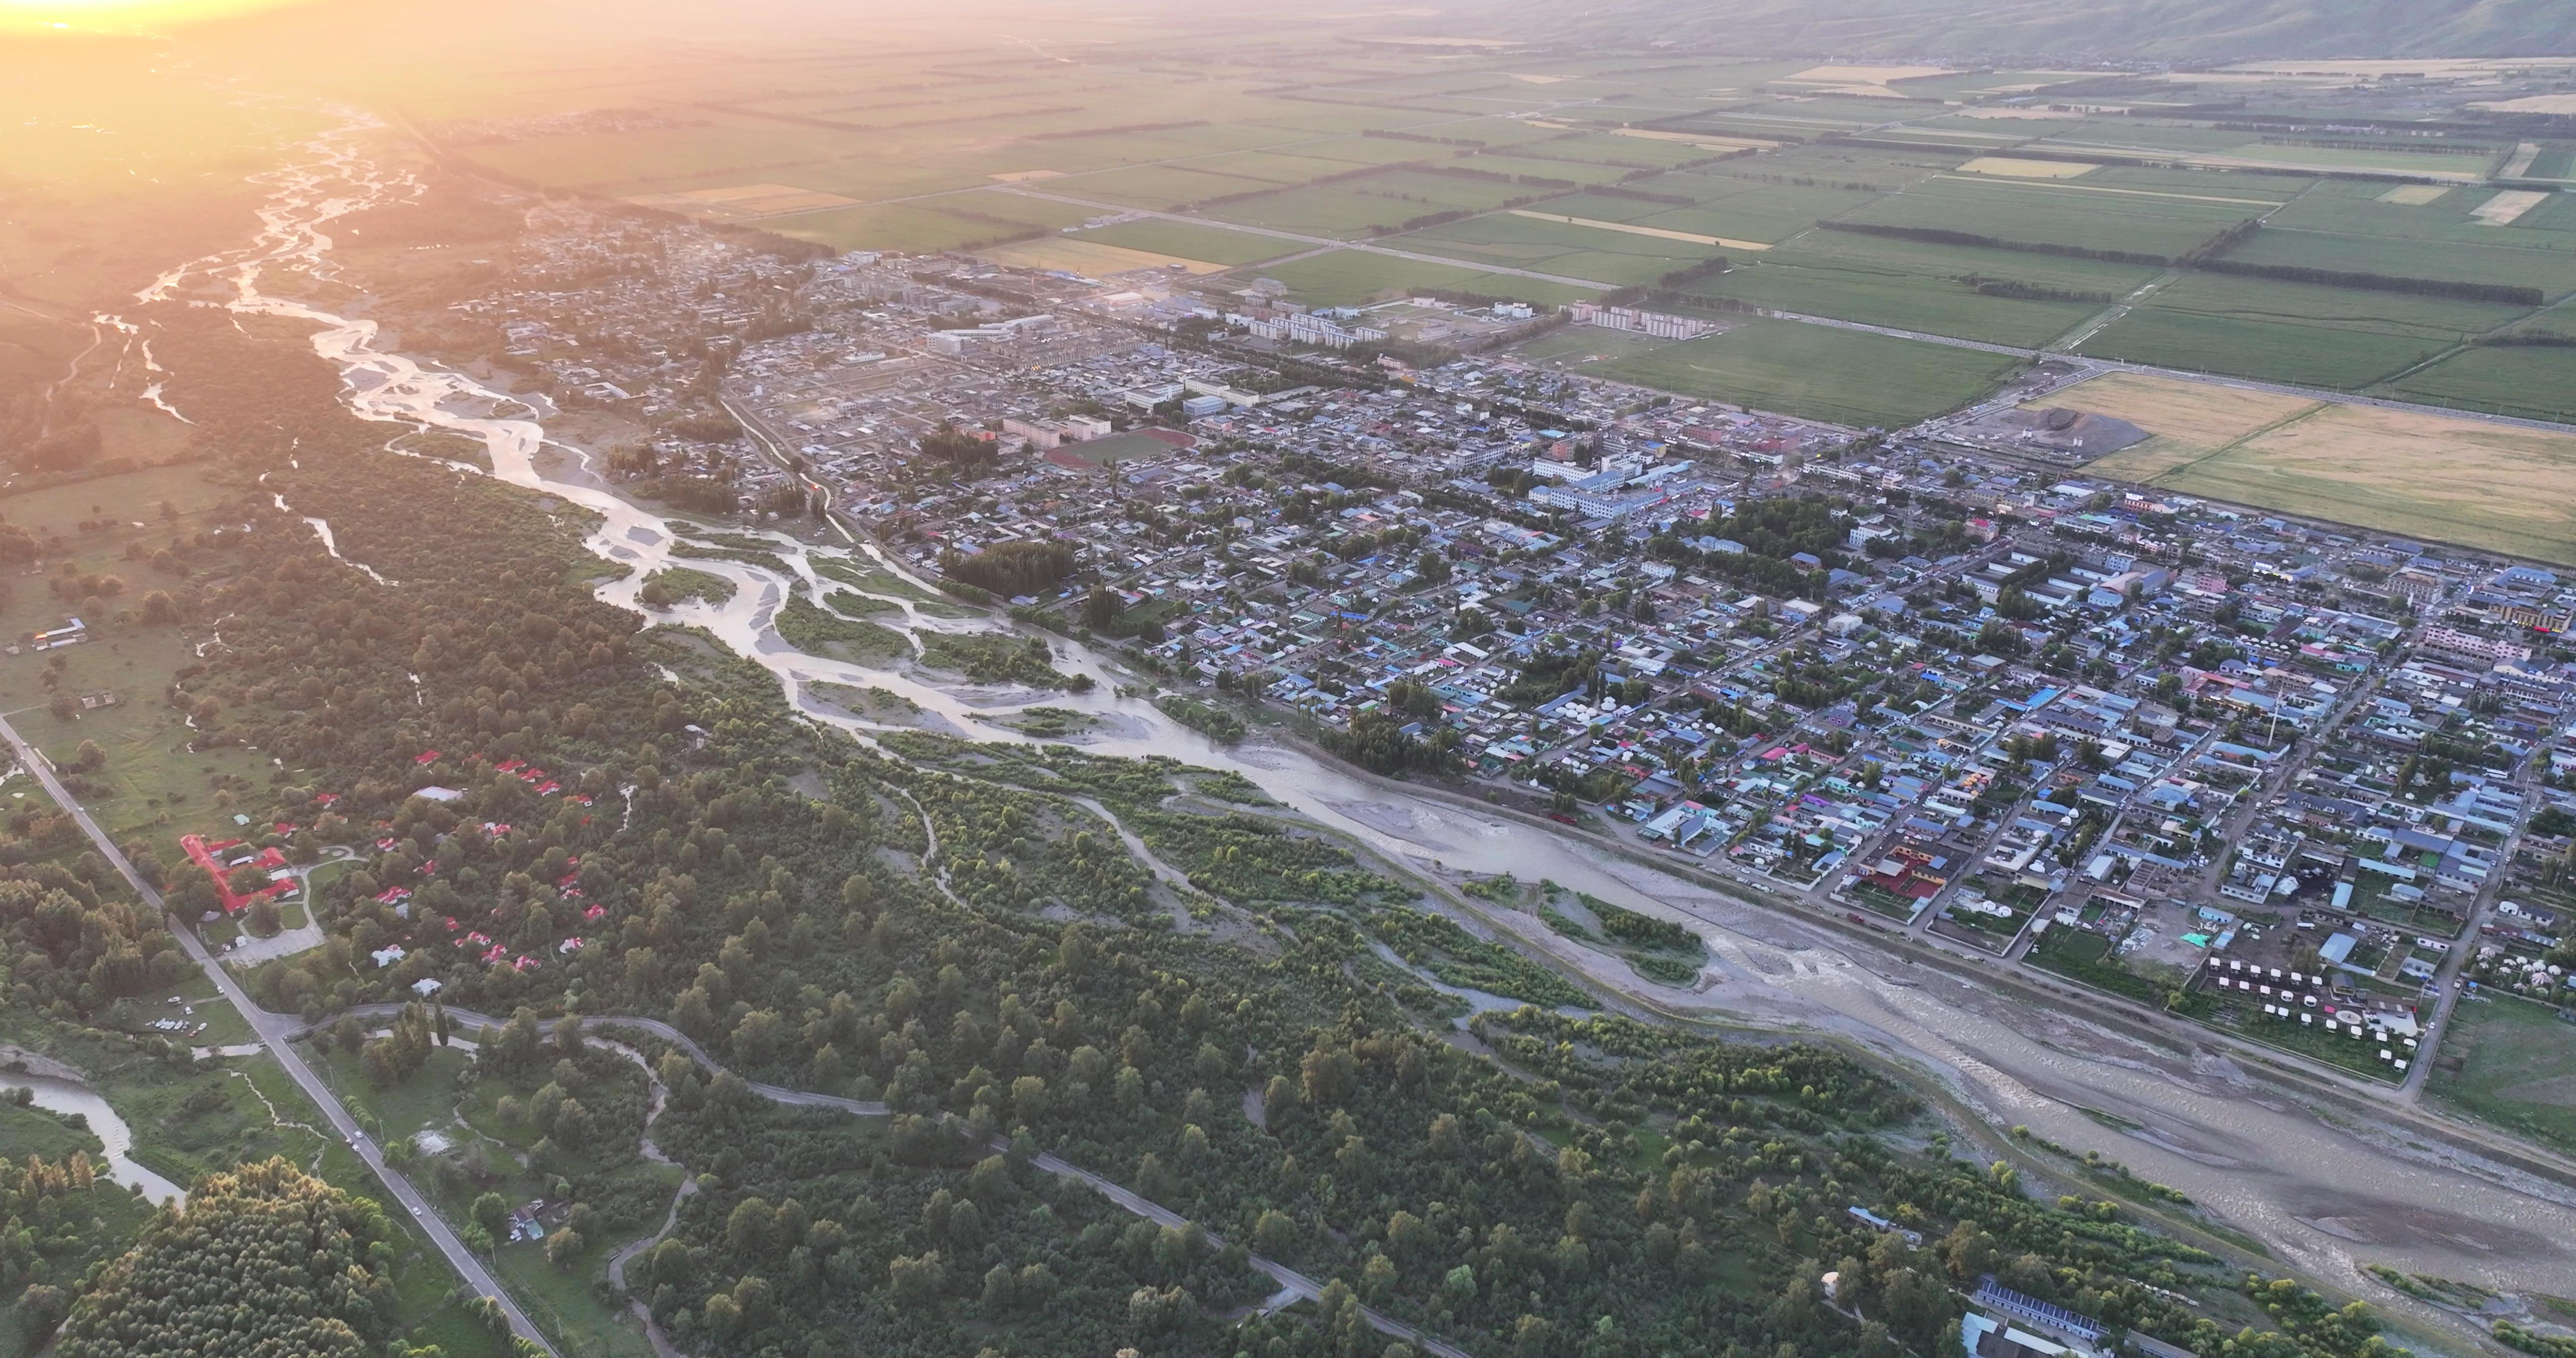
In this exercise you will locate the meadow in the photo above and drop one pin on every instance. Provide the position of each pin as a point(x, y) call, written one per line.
point(1805, 370)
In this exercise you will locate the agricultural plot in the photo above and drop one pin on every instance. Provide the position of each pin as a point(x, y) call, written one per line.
point(2501, 488)
point(1358, 207)
point(1629, 148)
point(1578, 171)
point(895, 226)
point(2042, 213)
point(1354, 277)
point(2511, 1062)
point(1089, 258)
point(2553, 271)
point(1736, 209)
point(1806, 370)
point(1818, 285)
point(2424, 212)
point(1155, 186)
point(1611, 255)
point(1272, 167)
point(2292, 332)
point(2346, 360)
point(668, 157)
point(2531, 381)
point(1184, 240)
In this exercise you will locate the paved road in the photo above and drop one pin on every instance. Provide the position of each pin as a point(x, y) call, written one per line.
point(272, 1031)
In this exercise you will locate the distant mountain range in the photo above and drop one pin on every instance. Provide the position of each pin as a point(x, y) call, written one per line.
point(2162, 30)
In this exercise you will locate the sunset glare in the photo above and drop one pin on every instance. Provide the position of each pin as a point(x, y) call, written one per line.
point(119, 16)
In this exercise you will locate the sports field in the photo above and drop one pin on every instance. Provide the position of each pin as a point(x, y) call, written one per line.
point(2456, 479)
point(1807, 370)
point(2512, 1063)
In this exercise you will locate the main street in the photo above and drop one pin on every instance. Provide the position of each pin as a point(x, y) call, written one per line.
point(273, 1030)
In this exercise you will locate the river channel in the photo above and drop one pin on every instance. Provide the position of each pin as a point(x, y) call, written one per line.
point(70, 1096)
point(2325, 1194)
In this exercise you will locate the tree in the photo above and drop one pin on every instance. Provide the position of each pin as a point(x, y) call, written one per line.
point(264, 919)
point(563, 1249)
point(328, 1293)
point(492, 1213)
point(41, 1309)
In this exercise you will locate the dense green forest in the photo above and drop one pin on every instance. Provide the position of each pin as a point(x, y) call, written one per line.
point(262, 1260)
point(1546, 1182)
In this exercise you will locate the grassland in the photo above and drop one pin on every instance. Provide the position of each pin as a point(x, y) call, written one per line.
point(2512, 1063)
point(1806, 370)
point(2499, 487)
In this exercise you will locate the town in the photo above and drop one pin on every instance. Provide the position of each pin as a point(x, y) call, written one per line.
point(2300, 782)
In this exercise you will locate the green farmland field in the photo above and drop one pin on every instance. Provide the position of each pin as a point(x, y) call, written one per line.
point(1562, 248)
point(1214, 244)
point(1842, 376)
point(2552, 271)
point(1352, 277)
point(2512, 1063)
point(2048, 212)
point(2273, 351)
point(2536, 383)
point(1931, 305)
point(894, 226)
point(2356, 208)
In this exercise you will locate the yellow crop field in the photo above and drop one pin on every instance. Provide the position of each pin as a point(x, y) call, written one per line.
point(2454, 478)
point(2502, 209)
point(2415, 195)
point(2012, 168)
